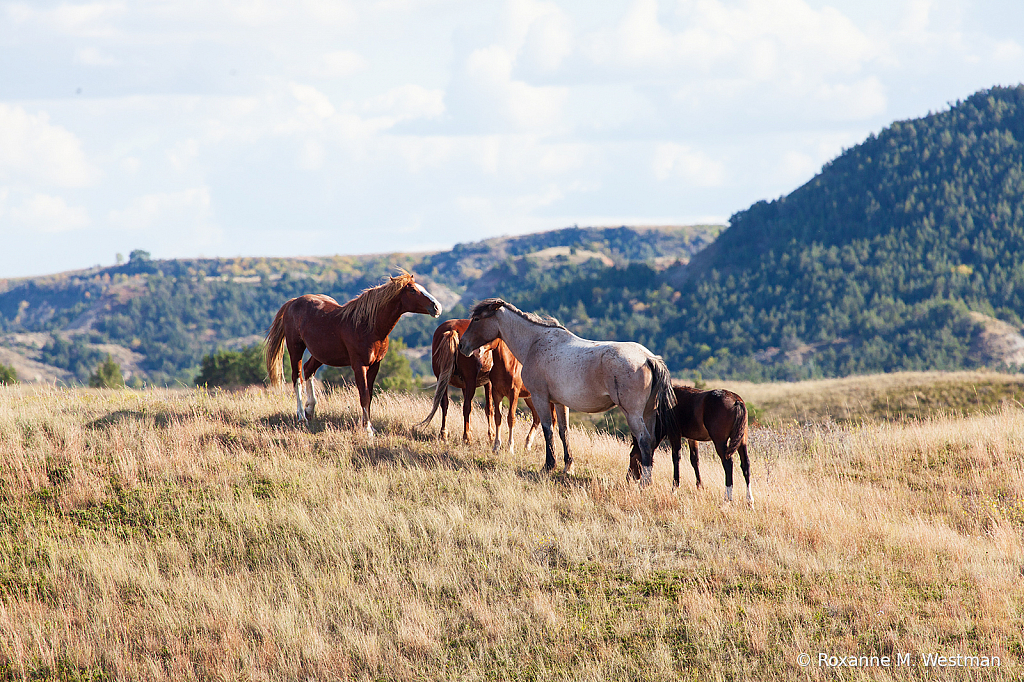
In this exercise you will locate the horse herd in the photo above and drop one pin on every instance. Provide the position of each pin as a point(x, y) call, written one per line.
point(512, 354)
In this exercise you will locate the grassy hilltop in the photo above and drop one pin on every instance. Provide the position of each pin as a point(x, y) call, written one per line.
point(175, 535)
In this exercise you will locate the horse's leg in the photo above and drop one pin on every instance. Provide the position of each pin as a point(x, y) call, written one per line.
point(745, 466)
point(371, 376)
point(546, 415)
point(295, 350)
point(534, 426)
point(497, 420)
point(695, 461)
point(513, 402)
point(309, 371)
point(727, 465)
point(490, 408)
point(468, 391)
point(633, 471)
point(364, 382)
point(645, 442)
point(444, 415)
point(676, 442)
point(563, 433)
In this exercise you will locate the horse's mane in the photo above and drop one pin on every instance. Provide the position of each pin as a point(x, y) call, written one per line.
point(489, 306)
point(363, 308)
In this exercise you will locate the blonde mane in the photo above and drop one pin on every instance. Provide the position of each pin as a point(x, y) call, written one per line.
point(363, 309)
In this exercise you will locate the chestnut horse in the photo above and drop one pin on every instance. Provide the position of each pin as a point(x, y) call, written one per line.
point(354, 334)
point(562, 370)
point(491, 366)
point(718, 416)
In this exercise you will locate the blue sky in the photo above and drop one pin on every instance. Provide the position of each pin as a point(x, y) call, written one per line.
point(312, 127)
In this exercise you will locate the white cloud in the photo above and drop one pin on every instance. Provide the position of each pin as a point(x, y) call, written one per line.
point(91, 56)
point(34, 150)
point(496, 99)
point(407, 102)
point(673, 160)
point(341, 63)
point(178, 211)
point(43, 213)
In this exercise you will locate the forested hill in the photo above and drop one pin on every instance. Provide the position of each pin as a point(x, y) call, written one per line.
point(158, 318)
point(875, 263)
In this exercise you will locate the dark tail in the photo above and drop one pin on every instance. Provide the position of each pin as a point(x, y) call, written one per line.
point(444, 356)
point(739, 429)
point(661, 390)
point(273, 348)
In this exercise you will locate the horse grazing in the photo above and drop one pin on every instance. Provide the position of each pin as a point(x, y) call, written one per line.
point(491, 366)
point(719, 416)
point(564, 371)
point(354, 334)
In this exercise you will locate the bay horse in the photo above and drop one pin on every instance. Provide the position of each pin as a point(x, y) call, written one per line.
point(564, 371)
point(718, 416)
point(491, 366)
point(354, 334)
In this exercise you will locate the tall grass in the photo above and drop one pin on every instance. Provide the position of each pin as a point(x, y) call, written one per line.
point(170, 535)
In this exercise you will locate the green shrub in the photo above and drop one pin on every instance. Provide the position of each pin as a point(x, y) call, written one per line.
point(107, 375)
point(233, 368)
point(8, 375)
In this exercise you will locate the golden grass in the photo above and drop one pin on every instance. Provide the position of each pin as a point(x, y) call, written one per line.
point(167, 535)
point(882, 396)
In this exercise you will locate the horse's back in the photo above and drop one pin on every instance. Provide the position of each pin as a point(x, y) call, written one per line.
point(312, 304)
point(707, 415)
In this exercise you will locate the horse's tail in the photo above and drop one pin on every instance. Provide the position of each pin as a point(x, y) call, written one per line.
point(273, 348)
point(661, 390)
point(444, 359)
point(739, 429)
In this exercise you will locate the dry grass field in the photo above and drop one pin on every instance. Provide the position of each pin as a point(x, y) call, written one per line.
point(187, 535)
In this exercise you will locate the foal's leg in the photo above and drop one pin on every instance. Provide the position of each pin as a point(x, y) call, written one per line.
point(468, 391)
point(727, 465)
point(497, 422)
point(563, 433)
point(695, 461)
point(490, 407)
point(745, 466)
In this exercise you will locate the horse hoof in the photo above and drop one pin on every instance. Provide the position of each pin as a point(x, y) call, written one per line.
point(568, 468)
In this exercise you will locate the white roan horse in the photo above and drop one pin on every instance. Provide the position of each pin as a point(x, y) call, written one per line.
point(565, 371)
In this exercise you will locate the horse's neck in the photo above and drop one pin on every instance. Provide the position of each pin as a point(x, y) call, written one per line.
point(386, 319)
point(518, 334)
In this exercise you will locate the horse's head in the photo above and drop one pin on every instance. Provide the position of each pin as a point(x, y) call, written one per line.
point(415, 299)
point(483, 326)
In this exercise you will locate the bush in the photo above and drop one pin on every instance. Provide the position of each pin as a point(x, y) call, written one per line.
point(233, 368)
point(107, 375)
point(7, 375)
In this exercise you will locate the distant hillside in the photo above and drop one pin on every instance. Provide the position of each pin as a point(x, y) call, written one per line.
point(159, 317)
point(877, 262)
point(905, 253)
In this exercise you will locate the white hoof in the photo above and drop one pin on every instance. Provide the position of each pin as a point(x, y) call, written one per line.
point(728, 493)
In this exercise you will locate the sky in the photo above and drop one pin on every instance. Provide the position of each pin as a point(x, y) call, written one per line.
point(209, 128)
